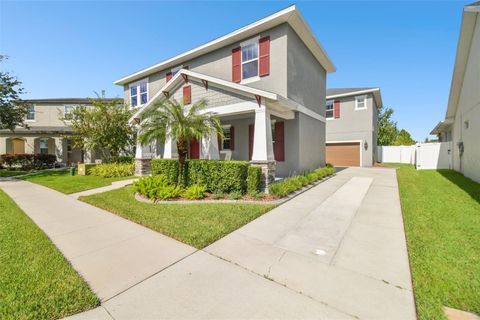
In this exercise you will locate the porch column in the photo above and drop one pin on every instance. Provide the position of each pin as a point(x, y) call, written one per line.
point(262, 154)
point(168, 152)
point(30, 144)
point(61, 150)
point(3, 145)
point(142, 163)
point(87, 156)
point(209, 147)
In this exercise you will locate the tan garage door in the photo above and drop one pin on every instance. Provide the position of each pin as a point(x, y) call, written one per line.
point(343, 154)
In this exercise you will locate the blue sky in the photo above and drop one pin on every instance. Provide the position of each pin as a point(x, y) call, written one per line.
point(71, 49)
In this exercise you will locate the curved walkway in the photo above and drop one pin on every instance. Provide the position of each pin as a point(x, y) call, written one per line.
point(336, 251)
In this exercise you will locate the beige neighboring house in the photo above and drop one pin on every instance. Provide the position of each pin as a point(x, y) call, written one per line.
point(351, 130)
point(461, 126)
point(266, 82)
point(46, 131)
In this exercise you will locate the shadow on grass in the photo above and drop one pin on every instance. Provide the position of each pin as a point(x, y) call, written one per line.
point(466, 184)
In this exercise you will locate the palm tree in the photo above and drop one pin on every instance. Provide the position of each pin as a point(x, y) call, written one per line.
point(172, 119)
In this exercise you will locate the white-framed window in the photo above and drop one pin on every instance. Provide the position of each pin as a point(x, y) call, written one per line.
point(68, 110)
point(360, 102)
point(43, 146)
point(329, 110)
point(30, 115)
point(250, 59)
point(139, 93)
point(226, 138)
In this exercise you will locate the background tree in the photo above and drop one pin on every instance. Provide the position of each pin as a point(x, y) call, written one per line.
point(12, 108)
point(184, 126)
point(103, 126)
point(387, 128)
point(404, 139)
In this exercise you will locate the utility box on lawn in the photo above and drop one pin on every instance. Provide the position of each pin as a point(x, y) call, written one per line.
point(84, 168)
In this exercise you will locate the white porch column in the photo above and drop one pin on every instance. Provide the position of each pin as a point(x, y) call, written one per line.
point(87, 156)
point(168, 148)
point(60, 150)
point(30, 144)
point(3, 145)
point(262, 138)
point(209, 147)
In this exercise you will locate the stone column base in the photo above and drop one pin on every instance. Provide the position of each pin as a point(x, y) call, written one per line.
point(143, 167)
point(268, 172)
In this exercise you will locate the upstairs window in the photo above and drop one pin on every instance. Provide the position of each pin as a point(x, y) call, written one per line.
point(360, 102)
point(139, 93)
point(329, 110)
point(68, 112)
point(30, 115)
point(250, 59)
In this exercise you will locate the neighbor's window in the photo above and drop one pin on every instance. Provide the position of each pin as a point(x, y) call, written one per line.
point(30, 116)
point(360, 102)
point(329, 110)
point(68, 112)
point(43, 146)
point(250, 59)
point(226, 138)
point(139, 93)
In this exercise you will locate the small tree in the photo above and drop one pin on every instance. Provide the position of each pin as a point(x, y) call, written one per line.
point(102, 126)
point(404, 139)
point(12, 108)
point(172, 119)
point(387, 128)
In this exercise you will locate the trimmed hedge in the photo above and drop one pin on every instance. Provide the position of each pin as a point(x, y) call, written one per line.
point(113, 170)
point(254, 180)
point(215, 175)
point(289, 185)
point(29, 161)
point(119, 159)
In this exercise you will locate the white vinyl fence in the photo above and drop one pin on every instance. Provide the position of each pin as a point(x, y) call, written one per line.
point(435, 155)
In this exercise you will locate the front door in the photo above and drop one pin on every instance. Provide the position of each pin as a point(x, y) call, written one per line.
point(195, 149)
point(18, 146)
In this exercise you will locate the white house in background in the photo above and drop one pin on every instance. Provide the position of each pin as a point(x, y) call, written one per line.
point(462, 120)
point(266, 81)
point(351, 129)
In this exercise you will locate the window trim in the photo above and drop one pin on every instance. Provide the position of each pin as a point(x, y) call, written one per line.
point(364, 102)
point(139, 94)
point(254, 40)
point(333, 110)
point(226, 126)
point(34, 114)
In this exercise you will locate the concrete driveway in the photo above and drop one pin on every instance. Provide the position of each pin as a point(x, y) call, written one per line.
point(335, 252)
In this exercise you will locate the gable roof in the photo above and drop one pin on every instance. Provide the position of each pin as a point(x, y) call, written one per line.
point(346, 92)
point(290, 15)
point(212, 82)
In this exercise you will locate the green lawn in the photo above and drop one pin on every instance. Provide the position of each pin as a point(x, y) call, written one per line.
point(8, 173)
point(63, 182)
point(441, 211)
point(195, 224)
point(36, 282)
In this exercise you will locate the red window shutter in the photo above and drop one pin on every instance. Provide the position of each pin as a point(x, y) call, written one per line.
point(187, 94)
point(195, 149)
point(264, 56)
point(336, 109)
point(236, 65)
point(279, 150)
point(169, 76)
point(232, 138)
point(251, 131)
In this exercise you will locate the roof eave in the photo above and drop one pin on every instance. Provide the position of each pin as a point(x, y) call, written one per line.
point(375, 91)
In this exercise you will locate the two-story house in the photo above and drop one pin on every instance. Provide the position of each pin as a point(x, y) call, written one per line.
point(351, 130)
point(266, 82)
point(47, 121)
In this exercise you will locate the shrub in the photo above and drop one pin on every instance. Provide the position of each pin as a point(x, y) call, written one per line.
point(156, 187)
point(256, 195)
point(195, 192)
point(215, 175)
point(254, 179)
point(118, 159)
point(235, 195)
point(218, 195)
point(113, 170)
point(289, 185)
point(29, 161)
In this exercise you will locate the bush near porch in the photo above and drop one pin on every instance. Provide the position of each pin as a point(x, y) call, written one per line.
point(28, 160)
point(215, 175)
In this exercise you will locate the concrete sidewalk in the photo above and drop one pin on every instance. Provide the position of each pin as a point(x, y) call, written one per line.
point(115, 185)
point(111, 253)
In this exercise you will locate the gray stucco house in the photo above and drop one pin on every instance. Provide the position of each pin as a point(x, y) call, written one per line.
point(266, 81)
point(351, 129)
point(461, 126)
